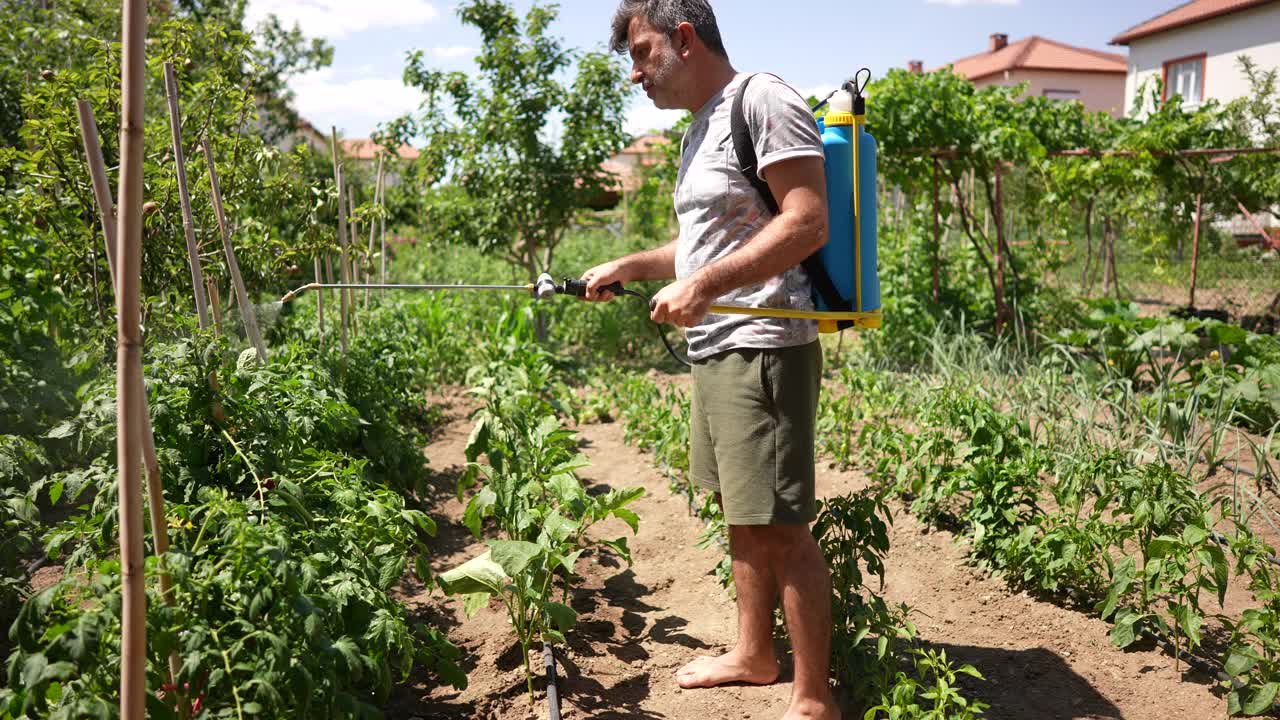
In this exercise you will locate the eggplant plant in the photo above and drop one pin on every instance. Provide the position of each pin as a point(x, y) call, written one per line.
point(529, 492)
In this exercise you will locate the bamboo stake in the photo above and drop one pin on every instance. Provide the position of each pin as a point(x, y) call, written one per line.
point(937, 238)
point(155, 490)
point(101, 186)
point(133, 642)
point(328, 278)
point(237, 281)
point(319, 302)
point(352, 238)
point(382, 226)
point(184, 196)
point(1195, 249)
point(215, 300)
point(373, 226)
point(342, 243)
point(998, 211)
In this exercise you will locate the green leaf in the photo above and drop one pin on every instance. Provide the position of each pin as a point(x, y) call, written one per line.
point(1161, 547)
point(478, 441)
point(569, 560)
point(630, 518)
point(473, 602)
point(1124, 634)
point(477, 575)
point(1190, 621)
point(1240, 661)
point(513, 556)
point(558, 527)
point(1123, 578)
point(563, 616)
point(619, 546)
point(62, 430)
point(392, 571)
point(477, 510)
point(566, 488)
point(577, 463)
point(1193, 535)
point(1262, 700)
point(33, 670)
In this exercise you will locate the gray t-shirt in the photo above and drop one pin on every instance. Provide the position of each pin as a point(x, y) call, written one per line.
point(719, 211)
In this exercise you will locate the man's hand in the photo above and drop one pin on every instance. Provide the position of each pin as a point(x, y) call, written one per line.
point(683, 303)
point(603, 275)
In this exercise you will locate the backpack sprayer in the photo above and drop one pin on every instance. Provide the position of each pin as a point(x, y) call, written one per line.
point(844, 275)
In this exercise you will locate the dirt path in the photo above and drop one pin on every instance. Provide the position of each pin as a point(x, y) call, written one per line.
point(638, 624)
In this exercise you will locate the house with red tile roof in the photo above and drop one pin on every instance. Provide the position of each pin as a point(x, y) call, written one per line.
point(364, 149)
point(627, 168)
point(1194, 49)
point(1050, 69)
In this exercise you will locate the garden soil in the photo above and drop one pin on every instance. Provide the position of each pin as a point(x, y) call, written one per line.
point(638, 624)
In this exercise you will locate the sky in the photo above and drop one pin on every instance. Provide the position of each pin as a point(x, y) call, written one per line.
point(812, 45)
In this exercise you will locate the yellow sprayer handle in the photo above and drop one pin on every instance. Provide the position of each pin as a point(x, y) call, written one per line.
point(865, 320)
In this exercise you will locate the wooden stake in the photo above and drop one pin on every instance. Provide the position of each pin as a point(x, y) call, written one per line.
point(998, 211)
point(1088, 253)
point(146, 439)
point(342, 242)
point(382, 226)
point(937, 239)
point(373, 227)
point(216, 299)
point(184, 196)
point(133, 642)
point(319, 301)
point(237, 281)
point(1195, 249)
point(352, 270)
point(357, 273)
point(1267, 240)
point(101, 186)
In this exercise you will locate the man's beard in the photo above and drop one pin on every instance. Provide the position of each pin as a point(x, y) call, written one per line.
point(663, 82)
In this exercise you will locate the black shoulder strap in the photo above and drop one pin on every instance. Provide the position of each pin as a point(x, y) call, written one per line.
point(745, 148)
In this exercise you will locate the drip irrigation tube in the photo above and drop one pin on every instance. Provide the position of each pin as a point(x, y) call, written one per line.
point(553, 695)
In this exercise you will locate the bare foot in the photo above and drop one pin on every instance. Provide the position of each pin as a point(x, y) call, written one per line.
point(812, 710)
point(709, 671)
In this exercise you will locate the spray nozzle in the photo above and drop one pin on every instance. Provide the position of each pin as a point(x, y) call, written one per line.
point(544, 287)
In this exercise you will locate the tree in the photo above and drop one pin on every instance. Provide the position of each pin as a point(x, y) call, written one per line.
point(514, 152)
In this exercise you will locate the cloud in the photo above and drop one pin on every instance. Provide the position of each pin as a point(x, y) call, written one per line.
point(970, 3)
point(336, 18)
point(454, 51)
point(354, 106)
point(642, 117)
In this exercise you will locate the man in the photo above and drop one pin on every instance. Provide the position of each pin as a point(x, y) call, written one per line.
point(755, 380)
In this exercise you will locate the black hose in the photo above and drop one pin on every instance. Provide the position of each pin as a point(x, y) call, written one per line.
point(578, 288)
point(553, 695)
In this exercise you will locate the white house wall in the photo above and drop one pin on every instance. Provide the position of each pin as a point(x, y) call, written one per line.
point(1255, 33)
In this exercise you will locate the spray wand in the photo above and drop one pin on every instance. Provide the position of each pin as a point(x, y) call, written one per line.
point(545, 287)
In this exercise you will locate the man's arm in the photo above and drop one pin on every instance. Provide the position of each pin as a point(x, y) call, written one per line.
point(656, 264)
point(796, 232)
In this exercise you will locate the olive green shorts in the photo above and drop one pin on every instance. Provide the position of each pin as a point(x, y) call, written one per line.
point(751, 437)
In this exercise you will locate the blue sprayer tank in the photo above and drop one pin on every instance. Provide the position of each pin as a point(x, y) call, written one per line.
point(850, 255)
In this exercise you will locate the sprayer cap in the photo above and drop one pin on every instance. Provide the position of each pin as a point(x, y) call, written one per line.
point(841, 102)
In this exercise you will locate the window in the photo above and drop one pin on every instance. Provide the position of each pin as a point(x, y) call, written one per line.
point(1185, 77)
point(1062, 94)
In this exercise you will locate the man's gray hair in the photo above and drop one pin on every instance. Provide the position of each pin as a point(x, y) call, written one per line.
point(666, 16)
